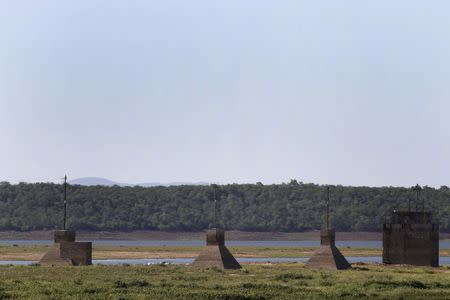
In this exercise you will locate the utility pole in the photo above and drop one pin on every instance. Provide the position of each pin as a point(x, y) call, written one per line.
point(409, 204)
point(423, 204)
point(328, 209)
point(214, 186)
point(418, 189)
point(65, 201)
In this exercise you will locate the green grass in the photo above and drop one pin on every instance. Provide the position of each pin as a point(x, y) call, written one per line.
point(279, 281)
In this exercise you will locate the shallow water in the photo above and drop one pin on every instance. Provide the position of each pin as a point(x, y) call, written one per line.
point(443, 261)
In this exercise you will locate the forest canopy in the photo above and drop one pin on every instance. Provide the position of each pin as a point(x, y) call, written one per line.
point(293, 206)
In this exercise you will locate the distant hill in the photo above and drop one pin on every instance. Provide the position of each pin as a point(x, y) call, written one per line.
point(89, 181)
point(92, 181)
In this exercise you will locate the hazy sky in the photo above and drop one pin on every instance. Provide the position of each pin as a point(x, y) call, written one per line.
point(343, 92)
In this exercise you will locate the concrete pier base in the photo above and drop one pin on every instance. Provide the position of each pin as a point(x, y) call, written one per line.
point(411, 238)
point(65, 251)
point(215, 254)
point(328, 256)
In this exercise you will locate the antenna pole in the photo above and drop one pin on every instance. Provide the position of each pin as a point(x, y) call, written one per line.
point(328, 208)
point(417, 197)
point(423, 204)
point(65, 201)
point(417, 189)
point(417, 194)
point(215, 205)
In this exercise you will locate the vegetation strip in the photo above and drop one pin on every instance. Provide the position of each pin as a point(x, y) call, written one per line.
point(278, 281)
point(288, 207)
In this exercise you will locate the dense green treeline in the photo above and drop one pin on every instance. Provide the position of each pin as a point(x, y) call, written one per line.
point(252, 207)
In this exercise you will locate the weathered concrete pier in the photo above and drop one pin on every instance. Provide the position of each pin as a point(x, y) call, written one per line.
point(66, 251)
point(411, 238)
point(216, 254)
point(328, 256)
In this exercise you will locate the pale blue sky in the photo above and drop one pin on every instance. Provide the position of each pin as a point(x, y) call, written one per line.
point(342, 92)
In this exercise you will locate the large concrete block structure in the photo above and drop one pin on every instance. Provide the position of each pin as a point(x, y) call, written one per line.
point(215, 254)
point(66, 251)
point(328, 256)
point(410, 237)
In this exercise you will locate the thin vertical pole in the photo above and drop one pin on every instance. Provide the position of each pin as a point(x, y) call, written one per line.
point(423, 204)
point(418, 190)
point(214, 186)
point(417, 197)
point(328, 208)
point(215, 209)
point(65, 201)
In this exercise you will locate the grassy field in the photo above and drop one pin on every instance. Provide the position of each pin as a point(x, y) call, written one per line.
point(278, 281)
point(114, 252)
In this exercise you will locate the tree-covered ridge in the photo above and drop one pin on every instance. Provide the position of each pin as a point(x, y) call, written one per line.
point(251, 207)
